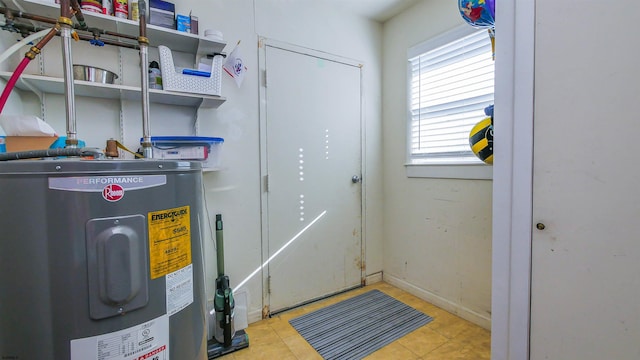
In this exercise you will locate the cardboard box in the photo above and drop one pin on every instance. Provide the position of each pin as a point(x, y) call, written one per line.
point(183, 23)
point(25, 143)
point(194, 24)
point(162, 13)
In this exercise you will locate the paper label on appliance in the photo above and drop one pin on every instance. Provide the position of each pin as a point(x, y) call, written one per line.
point(149, 340)
point(179, 289)
point(97, 183)
point(169, 240)
point(181, 153)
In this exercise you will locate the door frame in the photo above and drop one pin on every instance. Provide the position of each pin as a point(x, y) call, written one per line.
point(263, 42)
point(513, 180)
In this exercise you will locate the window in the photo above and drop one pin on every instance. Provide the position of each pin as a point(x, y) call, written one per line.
point(451, 80)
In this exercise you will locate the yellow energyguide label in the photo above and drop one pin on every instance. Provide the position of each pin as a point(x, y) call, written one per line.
point(169, 240)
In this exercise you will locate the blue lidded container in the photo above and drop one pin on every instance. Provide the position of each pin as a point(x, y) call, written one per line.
point(205, 149)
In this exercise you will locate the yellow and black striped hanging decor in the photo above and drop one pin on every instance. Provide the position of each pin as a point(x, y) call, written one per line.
point(481, 140)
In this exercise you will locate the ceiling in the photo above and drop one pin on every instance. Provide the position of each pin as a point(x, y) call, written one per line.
point(379, 10)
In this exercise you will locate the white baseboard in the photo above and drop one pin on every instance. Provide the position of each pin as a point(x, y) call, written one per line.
point(440, 302)
point(254, 316)
point(373, 278)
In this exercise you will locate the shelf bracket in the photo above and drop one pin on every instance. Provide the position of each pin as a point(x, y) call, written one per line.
point(196, 122)
point(43, 107)
point(120, 151)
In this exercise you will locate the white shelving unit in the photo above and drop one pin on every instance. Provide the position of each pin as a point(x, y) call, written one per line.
point(179, 41)
point(182, 42)
point(54, 85)
point(176, 40)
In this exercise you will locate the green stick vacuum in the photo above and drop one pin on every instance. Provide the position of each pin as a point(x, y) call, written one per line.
point(226, 339)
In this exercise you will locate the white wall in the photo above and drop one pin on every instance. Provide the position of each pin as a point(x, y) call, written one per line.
point(437, 232)
point(235, 191)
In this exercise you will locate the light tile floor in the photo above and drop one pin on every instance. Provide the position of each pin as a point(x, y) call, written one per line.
point(447, 337)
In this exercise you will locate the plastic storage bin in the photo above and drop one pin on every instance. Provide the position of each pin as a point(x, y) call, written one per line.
point(175, 81)
point(205, 149)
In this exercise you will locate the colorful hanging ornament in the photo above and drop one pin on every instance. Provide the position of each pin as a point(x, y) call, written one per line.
point(478, 13)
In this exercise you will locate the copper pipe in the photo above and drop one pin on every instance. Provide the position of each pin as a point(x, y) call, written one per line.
point(65, 9)
point(23, 15)
point(54, 31)
point(28, 16)
point(142, 13)
point(112, 149)
point(8, 17)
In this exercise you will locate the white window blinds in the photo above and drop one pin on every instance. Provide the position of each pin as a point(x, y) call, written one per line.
point(450, 85)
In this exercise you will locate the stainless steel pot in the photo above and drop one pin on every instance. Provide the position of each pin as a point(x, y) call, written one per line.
point(93, 74)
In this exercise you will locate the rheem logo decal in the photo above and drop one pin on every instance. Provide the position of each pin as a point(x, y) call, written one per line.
point(113, 192)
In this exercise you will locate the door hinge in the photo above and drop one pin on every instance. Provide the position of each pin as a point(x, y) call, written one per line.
point(269, 285)
point(266, 183)
point(264, 80)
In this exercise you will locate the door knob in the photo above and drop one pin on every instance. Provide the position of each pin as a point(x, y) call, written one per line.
point(355, 179)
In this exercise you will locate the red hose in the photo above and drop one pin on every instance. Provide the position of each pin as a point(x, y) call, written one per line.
point(12, 82)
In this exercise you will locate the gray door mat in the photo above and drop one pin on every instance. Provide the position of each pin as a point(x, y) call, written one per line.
point(356, 327)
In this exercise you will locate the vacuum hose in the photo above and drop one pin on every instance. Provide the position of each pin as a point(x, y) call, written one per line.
point(35, 154)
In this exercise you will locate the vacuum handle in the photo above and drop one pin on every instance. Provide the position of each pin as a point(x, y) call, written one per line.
point(219, 245)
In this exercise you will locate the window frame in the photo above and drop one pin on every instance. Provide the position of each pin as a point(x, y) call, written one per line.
point(446, 168)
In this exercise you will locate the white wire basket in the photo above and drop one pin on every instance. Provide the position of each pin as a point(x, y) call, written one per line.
point(175, 81)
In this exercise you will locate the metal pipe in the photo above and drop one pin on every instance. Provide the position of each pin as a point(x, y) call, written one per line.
point(111, 33)
point(47, 20)
point(8, 17)
point(69, 92)
point(67, 65)
point(110, 42)
point(25, 29)
point(78, 14)
point(147, 150)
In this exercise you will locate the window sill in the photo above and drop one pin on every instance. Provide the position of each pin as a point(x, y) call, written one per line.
point(472, 171)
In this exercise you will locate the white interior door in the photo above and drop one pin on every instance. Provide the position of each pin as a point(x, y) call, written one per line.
point(313, 150)
point(586, 249)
